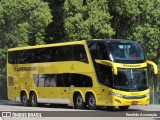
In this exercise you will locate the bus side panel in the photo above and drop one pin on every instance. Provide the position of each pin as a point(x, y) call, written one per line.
point(11, 93)
point(10, 82)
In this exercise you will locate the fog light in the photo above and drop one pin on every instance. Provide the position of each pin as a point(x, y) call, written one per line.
point(118, 101)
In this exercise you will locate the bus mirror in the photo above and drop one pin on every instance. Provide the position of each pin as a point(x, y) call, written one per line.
point(108, 63)
point(154, 66)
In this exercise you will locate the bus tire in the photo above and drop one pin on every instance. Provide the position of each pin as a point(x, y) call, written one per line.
point(33, 100)
point(91, 102)
point(78, 102)
point(123, 107)
point(24, 99)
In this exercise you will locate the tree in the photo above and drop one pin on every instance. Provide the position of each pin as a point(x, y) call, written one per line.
point(22, 23)
point(87, 19)
point(55, 30)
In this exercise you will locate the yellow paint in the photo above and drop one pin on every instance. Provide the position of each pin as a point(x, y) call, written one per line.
point(120, 65)
point(154, 66)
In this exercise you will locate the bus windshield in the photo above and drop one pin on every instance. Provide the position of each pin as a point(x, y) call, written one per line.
point(122, 52)
point(131, 79)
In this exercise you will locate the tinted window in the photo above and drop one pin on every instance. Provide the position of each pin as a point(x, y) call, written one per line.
point(105, 75)
point(49, 54)
point(98, 51)
point(123, 52)
point(102, 52)
point(65, 53)
point(39, 80)
point(62, 80)
point(131, 79)
point(79, 53)
point(78, 80)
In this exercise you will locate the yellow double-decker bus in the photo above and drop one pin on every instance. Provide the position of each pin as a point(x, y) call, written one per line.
point(87, 73)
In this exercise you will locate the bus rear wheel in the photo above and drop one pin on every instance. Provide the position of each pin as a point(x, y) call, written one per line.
point(91, 101)
point(123, 107)
point(24, 99)
point(33, 100)
point(78, 102)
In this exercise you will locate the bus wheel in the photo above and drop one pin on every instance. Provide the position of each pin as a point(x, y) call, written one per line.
point(78, 102)
point(91, 101)
point(33, 100)
point(24, 99)
point(123, 107)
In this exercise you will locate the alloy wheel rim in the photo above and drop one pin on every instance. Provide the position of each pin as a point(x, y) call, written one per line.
point(24, 99)
point(92, 101)
point(33, 99)
point(79, 101)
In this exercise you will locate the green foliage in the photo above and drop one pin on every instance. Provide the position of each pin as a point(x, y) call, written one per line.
point(22, 23)
point(145, 35)
point(87, 20)
point(55, 30)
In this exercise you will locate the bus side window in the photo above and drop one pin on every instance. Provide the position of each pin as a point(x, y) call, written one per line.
point(79, 53)
point(79, 80)
point(63, 80)
point(11, 57)
point(98, 51)
point(92, 48)
point(102, 52)
point(45, 80)
point(50, 80)
point(105, 76)
point(64, 53)
point(39, 80)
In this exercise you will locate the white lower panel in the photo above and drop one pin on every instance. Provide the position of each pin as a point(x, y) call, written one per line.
point(18, 99)
point(53, 100)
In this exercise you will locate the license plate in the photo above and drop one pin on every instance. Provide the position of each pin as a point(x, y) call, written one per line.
point(134, 102)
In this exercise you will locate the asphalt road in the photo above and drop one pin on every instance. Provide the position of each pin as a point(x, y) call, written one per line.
point(48, 112)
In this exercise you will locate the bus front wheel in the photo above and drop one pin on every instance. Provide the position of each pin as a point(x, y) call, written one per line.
point(91, 101)
point(33, 100)
point(78, 102)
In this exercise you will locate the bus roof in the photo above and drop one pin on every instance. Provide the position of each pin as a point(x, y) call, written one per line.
point(112, 41)
point(46, 45)
point(71, 43)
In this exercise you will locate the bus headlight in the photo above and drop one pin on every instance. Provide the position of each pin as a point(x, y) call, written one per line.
point(116, 94)
point(146, 95)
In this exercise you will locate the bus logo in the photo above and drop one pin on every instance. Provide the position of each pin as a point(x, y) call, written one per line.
point(23, 69)
point(125, 65)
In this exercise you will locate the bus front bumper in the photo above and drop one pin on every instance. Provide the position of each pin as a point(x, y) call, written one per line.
point(118, 101)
